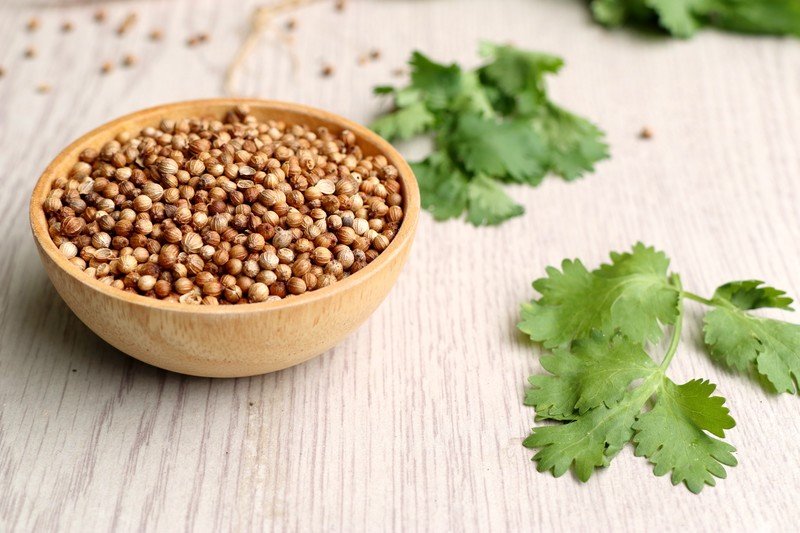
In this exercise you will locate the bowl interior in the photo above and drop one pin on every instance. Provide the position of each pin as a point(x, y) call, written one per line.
point(371, 144)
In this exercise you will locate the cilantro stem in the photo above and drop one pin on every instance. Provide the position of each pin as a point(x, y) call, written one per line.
point(696, 298)
point(676, 331)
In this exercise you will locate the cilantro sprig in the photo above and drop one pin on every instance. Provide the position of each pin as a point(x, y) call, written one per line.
point(491, 126)
point(682, 18)
point(605, 389)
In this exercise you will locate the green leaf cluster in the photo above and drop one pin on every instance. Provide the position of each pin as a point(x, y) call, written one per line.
point(603, 389)
point(682, 18)
point(492, 125)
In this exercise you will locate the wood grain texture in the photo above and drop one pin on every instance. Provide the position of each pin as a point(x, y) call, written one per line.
point(415, 421)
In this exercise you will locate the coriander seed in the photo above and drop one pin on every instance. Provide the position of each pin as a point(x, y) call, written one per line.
point(210, 212)
point(258, 292)
point(68, 250)
point(146, 283)
point(127, 23)
point(296, 286)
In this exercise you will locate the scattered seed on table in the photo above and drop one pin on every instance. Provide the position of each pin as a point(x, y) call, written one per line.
point(195, 40)
point(129, 60)
point(127, 23)
point(43, 88)
point(340, 5)
point(33, 24)
point(291, 24)
point(2, 72)
point(156, 35)
point(398, 72)
point(106, 67)
point(362, 60)
point(100, 16)
point(327, 71)
point(375, 54)
point(67, 26)
point(30, 52)
point(646, 133)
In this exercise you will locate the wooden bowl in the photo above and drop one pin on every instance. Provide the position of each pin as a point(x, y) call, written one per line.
point(225, 341)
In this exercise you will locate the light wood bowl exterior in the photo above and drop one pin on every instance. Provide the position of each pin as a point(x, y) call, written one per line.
point(226, 341)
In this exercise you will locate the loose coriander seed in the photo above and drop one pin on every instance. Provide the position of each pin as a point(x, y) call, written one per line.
point(127, 23)
point(129, 60)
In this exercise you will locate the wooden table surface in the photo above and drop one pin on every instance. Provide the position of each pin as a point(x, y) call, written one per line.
point(415, 422)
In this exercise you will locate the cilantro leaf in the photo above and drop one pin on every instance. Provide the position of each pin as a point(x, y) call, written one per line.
point(589, 390)
point(404, 123)
point(750, 294)
point(488, 204)
point(443, 189)
point(447, 193)
point(741, 340)
point(518, 75)
point(776, 17)
point(609, 12)
point(574, 144)
point(632, 294)
point(588, 442)
point(672, 435)
point(436, 82)
point(493, 124)
point(682, 18)
point(510, 150)
point(602, 388)
point(594, 372)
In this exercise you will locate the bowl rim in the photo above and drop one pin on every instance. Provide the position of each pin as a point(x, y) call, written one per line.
point(38, 219)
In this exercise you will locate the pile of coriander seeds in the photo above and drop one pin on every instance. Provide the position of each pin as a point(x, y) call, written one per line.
point(203, 211)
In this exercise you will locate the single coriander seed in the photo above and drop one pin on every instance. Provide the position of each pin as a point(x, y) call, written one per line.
point(129, 60)
point(258, 292)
